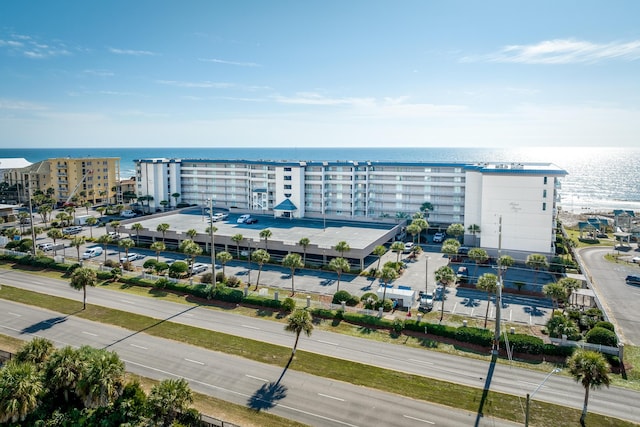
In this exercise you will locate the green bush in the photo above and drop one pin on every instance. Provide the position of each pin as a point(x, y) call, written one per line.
point(557, 350)
point(234, 282)
point(476, 336)
point(521, 343)
point(323, 312)
point(387, 305)
point(288, 305)
point(207, 278)
point(369, 300)
point(398, 326)
point(602, 336)
point(260, 301)
point(340, 296)
point(606, 325)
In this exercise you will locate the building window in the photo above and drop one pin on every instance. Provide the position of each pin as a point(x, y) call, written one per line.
point(544, 206)
point(544, 194)
point(287, 169)
point(287, 177)
point(545, 180)
point(287, 187)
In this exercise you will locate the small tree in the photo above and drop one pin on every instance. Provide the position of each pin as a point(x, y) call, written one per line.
point(104, 240)
point(91, 221)
point(397, 247)
point(445, 276)
point(80, 279)
point(304, 244)
point(224, 257)
point(379, 251)
point(237, 238)
point(292, 261)
point(176, 196)
point(536, 261)
point(339, 265)
point(479, 256)
point(266, 234)
point(455, 230)
point(388, 275)
point(260, 257)
point(158, 247)
point(76, 242)
point(342, 247)
point(126, 244)
point(55, 234)
point(137, 227)
point(163, 228)
point(556, 292)
point(488, 282)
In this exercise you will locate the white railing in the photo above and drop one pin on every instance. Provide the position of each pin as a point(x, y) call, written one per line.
point(587, 346)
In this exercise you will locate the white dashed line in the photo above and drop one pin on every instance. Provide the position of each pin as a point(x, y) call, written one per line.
point(331, 397)
point(194, 361)
point(419, 419)
point(257, 378)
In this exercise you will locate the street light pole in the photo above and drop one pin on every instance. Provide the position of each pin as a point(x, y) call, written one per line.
point(529, 397)
point(496, 337)
point(213, 247)
point(426, 275)
point(33, 230)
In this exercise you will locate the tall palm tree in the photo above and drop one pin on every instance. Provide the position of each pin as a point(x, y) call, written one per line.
point(157, 247)
point(292, 261)
point(379, 251)
point(387, 275)
point(80, 279)
point(55, 234)
point(478, 255)
point(339, 265)
point(266, 234)
point(569, 284)
point(488, 282)
point(76, 242)
point(137, 227)
point(260, 257)
point(237, 238)
point(299, 321)
point(445, 276)
point(556, 292)
point(397, 247)
point(104, 240)
point(414, 229)
point(21, 386)
point(176, 196)
point(192, 249)
point(91, 221)
point(162, 228)
point(419, 222)
point(342, 247)
point(591, 369)
point(536, 261)
point(126, 244)
point(304, 244)
point(224, 257)
point(192, 233)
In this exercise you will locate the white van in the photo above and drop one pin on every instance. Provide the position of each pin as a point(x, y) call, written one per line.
point(92, 252)
point(243, 218)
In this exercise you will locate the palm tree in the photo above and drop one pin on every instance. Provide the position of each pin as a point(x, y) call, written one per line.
point(299, 321)
point(192, 233)
point(445, 276)
point(450, 247)
point(420, 222)
point(137, 227)
point(168, 399)
point(379, 251)
point(292, 261)
point(388, 275)
point(45, 211)
point(569, 284)
point(237, 238)
point(162, 228)
point(157, 247)
point(101, 210)
point(104, 240)
point(76, 242)
point(556, 292)
point(21, 387)
point(536, 261)
point(224, 257)
point(479, 256)
point(176, 196)
point(64, 369)
point(55, 234)
point(36, 351)
point(591, 370)
point(397, 247)
point(474, 229)
point(414, 229)
point(91, 221)
point(212, 229)
point(103, 379)
point(126, 244)
point(80, 279)
point(488, 282)
point(426, 207)
point(455, 230)
point(342, 247)
point(339, 265)
point(266, 234)
point(260, 257)
point(191, 248)
point(304, 243)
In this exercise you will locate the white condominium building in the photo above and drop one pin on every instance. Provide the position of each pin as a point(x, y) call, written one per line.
point(520, 196)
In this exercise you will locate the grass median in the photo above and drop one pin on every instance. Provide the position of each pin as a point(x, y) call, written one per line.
point(491, 404)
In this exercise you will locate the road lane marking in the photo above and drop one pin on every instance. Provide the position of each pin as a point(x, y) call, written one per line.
point(327, 342)
point(238, 393)
point(419, 419)
point(454, 307)
point(89, 333)
point(257, 378)
point(194, 361)
point(138, 346)
point(15, 314)
point(127, 301)
point(331, 397)
point(421, 361)
point(250, 327)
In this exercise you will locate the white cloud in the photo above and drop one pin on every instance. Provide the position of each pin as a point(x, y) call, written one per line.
point(99, 73)
point(131, 52)
point(314, 98)
point(22, 45)
point(9, 104)
point(562, 51)
point(204, 84)
point(239, 64)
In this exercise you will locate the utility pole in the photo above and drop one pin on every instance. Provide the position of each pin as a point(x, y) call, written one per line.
point(426, 275)
point(496, 337)
point(213, 247)
point(33, 230)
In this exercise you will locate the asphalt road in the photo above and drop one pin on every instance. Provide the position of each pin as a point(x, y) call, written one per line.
point(619, 299)
point(557, 389)
point(310, 399)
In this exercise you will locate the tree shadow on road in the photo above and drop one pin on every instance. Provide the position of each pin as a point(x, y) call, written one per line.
point(267, 396)
point(46, 324)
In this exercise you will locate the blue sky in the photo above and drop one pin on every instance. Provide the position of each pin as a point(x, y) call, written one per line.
point(319, 73)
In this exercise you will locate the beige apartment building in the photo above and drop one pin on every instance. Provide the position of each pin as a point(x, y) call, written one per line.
point(91, 179)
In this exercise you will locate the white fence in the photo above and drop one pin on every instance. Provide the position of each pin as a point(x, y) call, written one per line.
point(616, 351)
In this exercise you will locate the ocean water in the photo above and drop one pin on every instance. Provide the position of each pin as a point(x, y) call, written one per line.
point(598, 180)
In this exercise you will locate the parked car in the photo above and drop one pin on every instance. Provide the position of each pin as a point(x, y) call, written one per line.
point(128, 214)
point(463, 250)
point(72, 230)
point(407, 247)
point(219, 217)
point(199, 268)
point(251, 220)
point(243, 218)
point(462, 274)
point(131, 257)
point(92, 252)
point(426, 301)
point(636, 259)
point(45, 246)
point(114, 236)
point(438, 237)
point(633, 280)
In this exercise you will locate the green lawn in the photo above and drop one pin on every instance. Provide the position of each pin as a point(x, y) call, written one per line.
point(493, 404)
